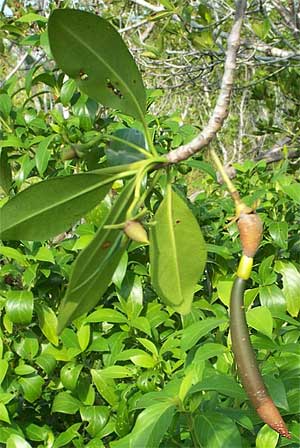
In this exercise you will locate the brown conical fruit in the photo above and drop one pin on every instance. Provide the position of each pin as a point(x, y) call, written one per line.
point(250, 227)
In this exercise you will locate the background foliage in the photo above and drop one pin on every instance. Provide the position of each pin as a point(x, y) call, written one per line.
point(132, 372)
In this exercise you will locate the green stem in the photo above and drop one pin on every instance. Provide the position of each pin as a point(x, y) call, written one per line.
point(230, 185)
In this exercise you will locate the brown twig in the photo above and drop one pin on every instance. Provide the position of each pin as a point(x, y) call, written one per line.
point(220, 112)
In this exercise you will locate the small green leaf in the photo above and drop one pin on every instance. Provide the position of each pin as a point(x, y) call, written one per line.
point(42, 155)
point(260, 318)
point(69, 375)
point(91, 51)
point(197, 330)
point(224, 288)
point(177, 253)
point(65, 403)
point(291, 286)
point(31, 17)
point(266, 438)
point(293, 191)
point(19, 306)
point(10, 252)
point(106, 315)
point(120, 153)
point(27, 346)
point(16, 441)
point(215, 430)
point(117, 372)
point(95, 265)
point(5, 171)
point(4, 416)
point(151, 425)
point(44, 254)
point(67, 91)
point(279, 233)
point(272, 297)
point(47, 322)
point(3, 369)
point(209, 350)
point(5, 105)
point(224, 384)
point(32, 387)
point(96, 416)
point(67, 436)
point(47, 208)
point(105, 386)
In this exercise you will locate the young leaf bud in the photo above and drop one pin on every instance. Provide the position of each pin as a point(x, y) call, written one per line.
point(135, 231)
point(250, 227)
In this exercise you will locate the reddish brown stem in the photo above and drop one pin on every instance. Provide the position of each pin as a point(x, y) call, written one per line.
point(246, 362)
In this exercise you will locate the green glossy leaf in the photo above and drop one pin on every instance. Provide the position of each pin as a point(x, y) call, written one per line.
point(151, 425)
point(3, 369)
point(279, 233)
point(105, 386)
point(272, 297)
point(224, 288)
point(95, 265)
point(209, 350)
point(44, 254)
point(91, 51)
point(10, 252)
point(215, 430)
point(65, 403)
point(203, 166)
point(69, 375)
point(67, 436)
point(16, 441)
point(32, 387)
point(277, 391)
point(47, 322)
point(19, 306)
point(67, 91)
point(47, 208)
point(224, 384)
point(5, 171)
point(37, 433)
point(260, 318)
point(96, 416)
point(5, 105)
point(120, 153)
point(266, 438)
point(4, 416)
point(117, 372)
point(177, 253)
point(106, 315)
point(27, 346)
point(42, 155)
point(293, 191)
point(46, 362)
point(197, 330)
point(291, 286)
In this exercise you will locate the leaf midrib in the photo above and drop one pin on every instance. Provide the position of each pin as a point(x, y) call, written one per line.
point(57, 204)
point(108, 66)
point(173, 240)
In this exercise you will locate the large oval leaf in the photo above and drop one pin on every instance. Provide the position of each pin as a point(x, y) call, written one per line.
point(47, 208)
point(94, 267)
point(91, 51)
point(177, 253)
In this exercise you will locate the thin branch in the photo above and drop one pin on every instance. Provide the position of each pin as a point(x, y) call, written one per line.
point(148, 5)
point(221, 109)
point(14, 70)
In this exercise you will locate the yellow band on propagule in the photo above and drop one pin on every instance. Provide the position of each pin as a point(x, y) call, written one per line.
point(245, 267)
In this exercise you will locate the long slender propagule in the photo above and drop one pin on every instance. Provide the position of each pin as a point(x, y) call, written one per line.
point(250, 228)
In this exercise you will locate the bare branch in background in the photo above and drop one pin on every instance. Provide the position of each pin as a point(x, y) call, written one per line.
point(15, 69)
point(220, 112)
